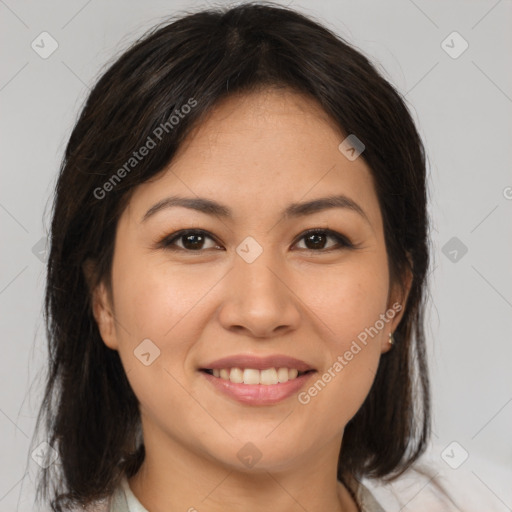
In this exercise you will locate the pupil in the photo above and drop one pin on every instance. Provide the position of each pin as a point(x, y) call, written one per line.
point(315, 236)
point(188, 239)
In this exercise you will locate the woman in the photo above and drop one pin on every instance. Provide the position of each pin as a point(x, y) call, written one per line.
point(236, 277)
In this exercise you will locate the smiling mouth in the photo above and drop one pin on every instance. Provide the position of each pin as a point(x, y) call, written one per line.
point(251, 376)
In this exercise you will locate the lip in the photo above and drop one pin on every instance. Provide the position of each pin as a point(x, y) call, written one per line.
point(258, 363)
point(258, 394)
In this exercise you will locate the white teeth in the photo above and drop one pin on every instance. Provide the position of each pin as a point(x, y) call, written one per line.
point(292, 374)
point(283, 375)
point(267, 377)
point(236, 375)
point(250, 376)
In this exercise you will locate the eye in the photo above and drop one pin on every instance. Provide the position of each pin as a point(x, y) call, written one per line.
point(316, 238)
point(193, 240)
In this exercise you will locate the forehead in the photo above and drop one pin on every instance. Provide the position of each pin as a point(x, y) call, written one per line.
point(261, 151)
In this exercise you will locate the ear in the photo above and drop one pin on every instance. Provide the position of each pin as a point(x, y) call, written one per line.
point(101, 306)
point(397, 302)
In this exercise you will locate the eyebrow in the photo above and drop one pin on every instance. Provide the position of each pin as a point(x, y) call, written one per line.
point(294, 210)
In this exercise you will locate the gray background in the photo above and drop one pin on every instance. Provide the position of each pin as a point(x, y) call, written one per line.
point(462, 107)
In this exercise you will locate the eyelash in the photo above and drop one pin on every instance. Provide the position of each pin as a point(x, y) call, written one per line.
point(168, 241)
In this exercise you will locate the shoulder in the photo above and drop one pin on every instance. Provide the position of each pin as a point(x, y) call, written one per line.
point(116, 502)
point(113, 503)
point(97, 506)
point(365, 500)
point(428, 486)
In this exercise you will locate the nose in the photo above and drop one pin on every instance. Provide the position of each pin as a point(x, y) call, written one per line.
point(259, 299)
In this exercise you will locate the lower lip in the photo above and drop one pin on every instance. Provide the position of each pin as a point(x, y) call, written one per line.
point(258, 394)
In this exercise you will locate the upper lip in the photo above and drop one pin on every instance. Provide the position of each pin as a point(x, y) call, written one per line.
point(258, 363)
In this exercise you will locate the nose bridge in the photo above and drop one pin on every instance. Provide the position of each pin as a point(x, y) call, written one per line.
point(258, 298)
point(256, 268)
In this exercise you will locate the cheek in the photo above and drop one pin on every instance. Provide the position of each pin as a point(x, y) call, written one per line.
point(347, 299)
point(151, 305)
point(152, 301)
point(349, 303)
point(165, 306)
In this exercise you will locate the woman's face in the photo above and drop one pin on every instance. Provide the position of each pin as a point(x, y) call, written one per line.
point(253, 285)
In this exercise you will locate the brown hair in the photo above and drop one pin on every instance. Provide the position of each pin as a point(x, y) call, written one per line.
point(91, 413)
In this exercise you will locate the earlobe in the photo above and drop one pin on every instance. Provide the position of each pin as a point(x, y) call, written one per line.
point(100, 306)
point(399, 299)
point(398, 303)
point(104, 317)
point(386, 344)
